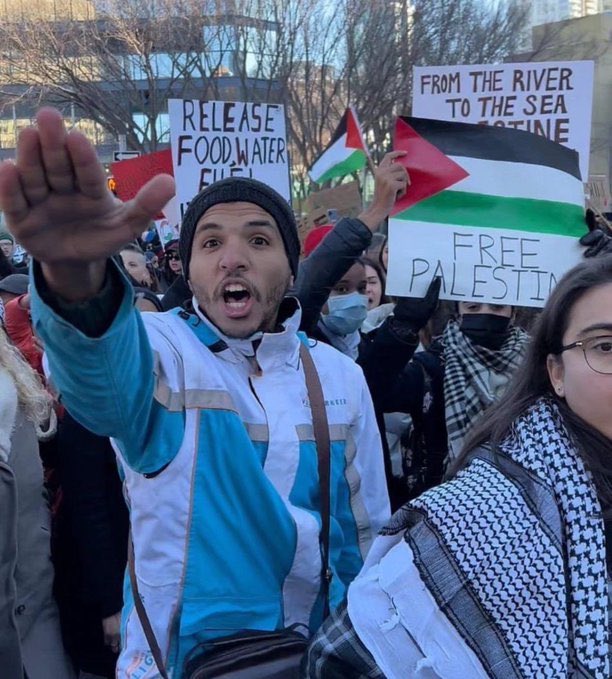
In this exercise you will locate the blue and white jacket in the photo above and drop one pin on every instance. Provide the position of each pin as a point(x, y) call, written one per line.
point(220, 468)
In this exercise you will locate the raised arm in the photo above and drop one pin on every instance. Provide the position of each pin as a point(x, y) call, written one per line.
point(58, 207)
point(345, 243)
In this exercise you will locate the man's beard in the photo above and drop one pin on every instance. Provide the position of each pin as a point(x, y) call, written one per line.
point(270, 306)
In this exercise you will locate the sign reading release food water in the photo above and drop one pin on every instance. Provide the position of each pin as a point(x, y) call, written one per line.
point(496, 213)
point(212, 140)
point(550, 99)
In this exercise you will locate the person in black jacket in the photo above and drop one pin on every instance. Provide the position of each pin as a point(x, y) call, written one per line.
point(444, 388)
point(90, 548)
point(335, 261)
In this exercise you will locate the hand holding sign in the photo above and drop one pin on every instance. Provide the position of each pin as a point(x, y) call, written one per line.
point(391, 182)
point(414, 312)
point(58, 206)
point(597, 241)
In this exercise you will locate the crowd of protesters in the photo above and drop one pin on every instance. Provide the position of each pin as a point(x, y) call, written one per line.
point(161, 483)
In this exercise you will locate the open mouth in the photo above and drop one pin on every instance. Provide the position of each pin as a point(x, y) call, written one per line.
point(237, 298)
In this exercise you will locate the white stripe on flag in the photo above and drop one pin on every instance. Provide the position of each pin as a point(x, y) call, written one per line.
point(518, 180)
point(335, 154)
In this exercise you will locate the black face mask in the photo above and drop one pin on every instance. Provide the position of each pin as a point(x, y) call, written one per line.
point(486, 330)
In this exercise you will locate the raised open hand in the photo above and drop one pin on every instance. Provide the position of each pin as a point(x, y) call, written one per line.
point(56, 201)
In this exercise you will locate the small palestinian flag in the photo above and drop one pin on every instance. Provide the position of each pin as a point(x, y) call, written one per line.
point(345, 153)
point(496, 212)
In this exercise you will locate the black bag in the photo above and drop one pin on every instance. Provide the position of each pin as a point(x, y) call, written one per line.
point(258, 654)
point(249, 655)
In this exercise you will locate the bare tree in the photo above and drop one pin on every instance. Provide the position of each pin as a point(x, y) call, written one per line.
point(118, 68)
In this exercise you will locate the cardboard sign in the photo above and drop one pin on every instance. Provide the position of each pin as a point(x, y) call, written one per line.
point(551, 99)
point(344, 199)
point(212, 140)
point(598, 193)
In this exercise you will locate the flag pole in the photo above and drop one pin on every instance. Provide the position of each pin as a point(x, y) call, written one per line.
point(371, 165)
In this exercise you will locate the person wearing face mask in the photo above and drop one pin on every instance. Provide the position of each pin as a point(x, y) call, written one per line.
point(344, 312)
point(445, 388)
point(505, 569)
point(331, 283)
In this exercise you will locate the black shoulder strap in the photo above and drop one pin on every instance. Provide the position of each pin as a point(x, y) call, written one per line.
point(142, 614)
point(321, 434)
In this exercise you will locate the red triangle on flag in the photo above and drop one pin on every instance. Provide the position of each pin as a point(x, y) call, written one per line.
point(430, 170)
point(354, 138)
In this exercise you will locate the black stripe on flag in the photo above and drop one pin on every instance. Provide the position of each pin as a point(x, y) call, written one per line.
point(495, 143)
point(341, 129)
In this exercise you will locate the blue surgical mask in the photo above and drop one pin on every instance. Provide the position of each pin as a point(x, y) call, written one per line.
point(346, 313)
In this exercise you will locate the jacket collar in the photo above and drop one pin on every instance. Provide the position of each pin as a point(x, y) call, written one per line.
point(264, 350)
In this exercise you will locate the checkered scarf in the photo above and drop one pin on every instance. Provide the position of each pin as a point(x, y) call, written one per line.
point(524, 529)
point(467, 378)
point(513, 552)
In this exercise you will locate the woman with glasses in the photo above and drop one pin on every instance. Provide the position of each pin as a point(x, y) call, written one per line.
point(504, 570)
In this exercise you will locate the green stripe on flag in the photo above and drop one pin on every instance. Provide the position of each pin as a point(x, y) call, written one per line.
point(355, 162)
point(498, 212)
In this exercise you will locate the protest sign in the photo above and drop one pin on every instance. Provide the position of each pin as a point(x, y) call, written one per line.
point(344, 200)
point(166, 230)
point(212, 140)
point(495, 212)
point(598, 193)
point(551, 99)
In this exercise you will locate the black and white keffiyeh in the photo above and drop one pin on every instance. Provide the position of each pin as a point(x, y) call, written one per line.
point(513, 551)
point(468, 373)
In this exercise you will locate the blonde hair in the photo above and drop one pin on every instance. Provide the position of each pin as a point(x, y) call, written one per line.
point(36, 401)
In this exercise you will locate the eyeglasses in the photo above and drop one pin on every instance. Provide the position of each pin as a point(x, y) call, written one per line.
point(173, 255)
point(597, 353)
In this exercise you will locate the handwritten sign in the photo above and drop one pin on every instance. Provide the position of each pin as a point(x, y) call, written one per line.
point(496, 266)
point(212, 140)
point(551, 99)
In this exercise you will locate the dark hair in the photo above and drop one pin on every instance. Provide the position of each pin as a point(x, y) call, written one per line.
point(167, 274)
point(375, 249)
point(6, 268)
point(531, 381)
point(367, 261)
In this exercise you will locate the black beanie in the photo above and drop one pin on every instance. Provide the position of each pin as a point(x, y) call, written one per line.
point(241, 189)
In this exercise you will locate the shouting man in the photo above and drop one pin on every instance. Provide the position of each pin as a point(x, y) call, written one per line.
point(209, 410)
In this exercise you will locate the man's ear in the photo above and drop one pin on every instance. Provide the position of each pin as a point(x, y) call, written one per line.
point(556, 373)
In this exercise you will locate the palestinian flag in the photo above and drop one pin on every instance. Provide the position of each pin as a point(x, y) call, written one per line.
point(345, 153)
point(510, 200)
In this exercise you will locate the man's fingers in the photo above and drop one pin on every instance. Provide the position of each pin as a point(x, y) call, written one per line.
point(12, 198)
point(149, 202)
point(30, 165)
point(89, 174)
point(58, 167)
